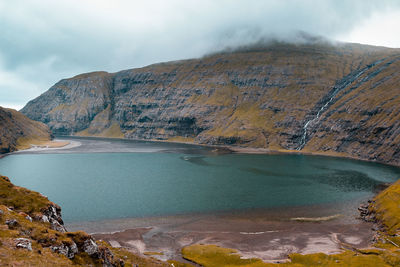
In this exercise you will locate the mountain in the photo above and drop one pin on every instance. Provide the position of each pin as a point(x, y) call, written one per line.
point(18, 131)
point(329, 99)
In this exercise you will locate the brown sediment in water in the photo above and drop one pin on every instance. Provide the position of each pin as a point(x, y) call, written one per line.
point(264, 235)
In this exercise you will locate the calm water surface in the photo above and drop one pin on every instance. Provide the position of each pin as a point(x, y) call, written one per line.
point(120, 179)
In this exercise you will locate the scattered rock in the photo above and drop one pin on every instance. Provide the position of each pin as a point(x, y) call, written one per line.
point(106, 256)
point(67, 250)
point(73, 249)
point(29, 218)
point(23, 243)
point(55, 225)
point(366, 214)
point(44, 218)
point(90, 247)
point(53, 215)
point(12, 223)
point(62, 249)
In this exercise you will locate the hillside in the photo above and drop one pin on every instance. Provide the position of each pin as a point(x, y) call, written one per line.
point(32, 233)
point(338, 100)
point(18, 131)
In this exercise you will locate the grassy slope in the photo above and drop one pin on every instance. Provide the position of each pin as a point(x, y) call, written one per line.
point(18, 132)
point(386, 206)
point(17, 203)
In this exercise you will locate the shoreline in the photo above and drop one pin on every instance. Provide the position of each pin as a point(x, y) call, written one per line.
point(47, 147)
point(243, 150)
point(255, 234)
point(268, 241)
point(55, 144)
point(219, 148)
point(265, 151)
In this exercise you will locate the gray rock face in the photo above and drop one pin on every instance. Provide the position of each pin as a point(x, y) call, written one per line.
point(90, 247)
point(84, 97)
point(12, 223)
point(67, 250)
point(23, 243)
point(256, 97)
point(53, 215)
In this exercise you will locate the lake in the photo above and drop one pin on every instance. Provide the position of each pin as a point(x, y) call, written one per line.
point(109, 179)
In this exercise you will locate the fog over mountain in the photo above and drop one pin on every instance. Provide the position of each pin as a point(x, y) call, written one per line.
point(44, 41)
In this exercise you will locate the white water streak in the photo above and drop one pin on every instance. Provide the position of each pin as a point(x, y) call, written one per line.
point(339, 88)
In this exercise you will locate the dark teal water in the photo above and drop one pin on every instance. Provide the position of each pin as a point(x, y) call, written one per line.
point(98, 186)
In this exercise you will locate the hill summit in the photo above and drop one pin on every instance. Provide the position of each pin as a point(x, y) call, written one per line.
point(321, 98)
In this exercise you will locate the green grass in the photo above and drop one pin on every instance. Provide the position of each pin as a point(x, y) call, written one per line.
point(21, 199)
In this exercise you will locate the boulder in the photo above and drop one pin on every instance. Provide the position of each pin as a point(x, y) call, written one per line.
point(23, 243)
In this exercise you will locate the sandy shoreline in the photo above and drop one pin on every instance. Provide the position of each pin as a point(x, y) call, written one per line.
point(48, 146)
point(268, 235)
point(56, 144)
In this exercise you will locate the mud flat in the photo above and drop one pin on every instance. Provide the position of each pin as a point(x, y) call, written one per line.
point(269, 235)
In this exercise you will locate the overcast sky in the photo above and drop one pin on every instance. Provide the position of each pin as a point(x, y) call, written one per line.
point(44, 41)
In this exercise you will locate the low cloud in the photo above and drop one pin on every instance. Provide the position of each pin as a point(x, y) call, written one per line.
point(43, 41)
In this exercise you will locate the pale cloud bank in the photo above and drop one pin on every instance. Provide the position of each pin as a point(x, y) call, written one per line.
point(44, 41)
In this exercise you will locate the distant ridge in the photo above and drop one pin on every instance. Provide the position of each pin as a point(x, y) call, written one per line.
point(16, 130)
point(259, 96)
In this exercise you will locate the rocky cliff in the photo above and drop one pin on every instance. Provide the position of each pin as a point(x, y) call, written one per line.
point(333, 99)
point(17, 131)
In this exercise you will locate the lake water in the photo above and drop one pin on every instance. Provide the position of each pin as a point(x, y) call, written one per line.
point(108, 179)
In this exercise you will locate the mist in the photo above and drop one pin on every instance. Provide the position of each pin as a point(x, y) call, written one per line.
point(44, 41)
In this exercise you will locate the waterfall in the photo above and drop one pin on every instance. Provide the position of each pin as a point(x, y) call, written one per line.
point(342, 84)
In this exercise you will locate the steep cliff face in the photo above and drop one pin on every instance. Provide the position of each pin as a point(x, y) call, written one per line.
point(317, 98)
point(16, 130)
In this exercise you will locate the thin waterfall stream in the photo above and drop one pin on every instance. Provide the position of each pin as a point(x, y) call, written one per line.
point(341, 85)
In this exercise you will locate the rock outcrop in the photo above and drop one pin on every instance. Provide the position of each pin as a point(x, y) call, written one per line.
point(17, 130)
point(30, 223)
point(23, 243)
point(263, 97)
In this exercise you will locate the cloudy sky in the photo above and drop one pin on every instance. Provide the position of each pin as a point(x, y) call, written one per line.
point(43, 41)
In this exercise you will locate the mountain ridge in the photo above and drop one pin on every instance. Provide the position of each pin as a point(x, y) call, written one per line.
point(256, 97)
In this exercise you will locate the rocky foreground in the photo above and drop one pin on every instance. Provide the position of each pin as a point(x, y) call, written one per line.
point(321, 98)
point(32, 233)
